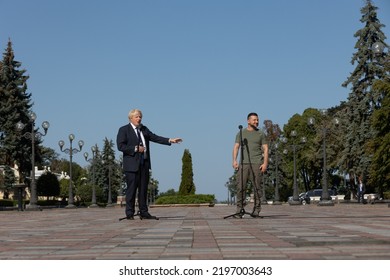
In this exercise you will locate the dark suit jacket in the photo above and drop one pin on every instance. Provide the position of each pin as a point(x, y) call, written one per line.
point(127, 140)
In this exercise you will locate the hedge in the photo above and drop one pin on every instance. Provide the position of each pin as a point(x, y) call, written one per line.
point(186, 199)
point(6, 203)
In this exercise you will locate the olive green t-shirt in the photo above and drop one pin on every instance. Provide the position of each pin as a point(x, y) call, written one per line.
point(253, 141)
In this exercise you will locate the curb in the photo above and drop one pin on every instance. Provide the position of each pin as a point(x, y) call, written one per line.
point(183, 205)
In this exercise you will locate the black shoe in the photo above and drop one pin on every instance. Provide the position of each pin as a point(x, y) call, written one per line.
point(130, 217)
point(256, 215)
point(147, 216)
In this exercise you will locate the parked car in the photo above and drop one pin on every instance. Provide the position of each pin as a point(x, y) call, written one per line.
point(301, 198)
point(316, 195)
point(312, 195)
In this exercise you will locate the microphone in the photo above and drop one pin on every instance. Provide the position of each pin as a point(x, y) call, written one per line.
point(240, 127)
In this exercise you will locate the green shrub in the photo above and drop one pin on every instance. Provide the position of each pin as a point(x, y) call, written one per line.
point(386, 195)
point(6, 203)
point(84, 193)
point(186, 199)
point(48, 185)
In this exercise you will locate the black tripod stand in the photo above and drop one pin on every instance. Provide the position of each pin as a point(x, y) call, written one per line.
point(242, 211)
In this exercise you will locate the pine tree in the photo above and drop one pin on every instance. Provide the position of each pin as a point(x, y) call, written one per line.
point(380, 145)
point(362, 99)
point(103, 171)
point(15, 105)
point(187, 185)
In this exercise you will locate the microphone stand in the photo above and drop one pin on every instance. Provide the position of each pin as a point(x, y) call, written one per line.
point(242, 211)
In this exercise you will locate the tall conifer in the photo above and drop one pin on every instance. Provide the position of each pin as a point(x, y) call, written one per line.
point(380, 145)
point(362, 99)
point(15, 105)
point(187, 185)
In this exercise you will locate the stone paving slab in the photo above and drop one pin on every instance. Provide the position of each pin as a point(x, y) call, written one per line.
point(305, 232)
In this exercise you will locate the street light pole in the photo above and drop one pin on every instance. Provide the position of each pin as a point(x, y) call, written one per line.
point(109, 200)
point(31, 135)
point(326, 200)
point(94, 150)
point(277, 196)
point(294, 146)
point(70, 152)
point(379, 50)
point(325, 192)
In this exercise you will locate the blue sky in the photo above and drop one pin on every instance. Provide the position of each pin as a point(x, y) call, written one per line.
point(195, 69)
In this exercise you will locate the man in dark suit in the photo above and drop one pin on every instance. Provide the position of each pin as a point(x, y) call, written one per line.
point(133, 141)
point(360, 190)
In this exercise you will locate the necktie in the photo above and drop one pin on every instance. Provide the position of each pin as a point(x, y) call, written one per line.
point(140, 143)
point(139, 137)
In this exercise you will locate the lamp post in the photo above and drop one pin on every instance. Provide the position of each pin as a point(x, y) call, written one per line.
point(31, 135)
point(275, 180)
point(92, 161)
point(109, 200)
point(379, 49)
point(70, 152)
point(326, 200)
point(277, 197)
point(294, 146)
point(152, 192)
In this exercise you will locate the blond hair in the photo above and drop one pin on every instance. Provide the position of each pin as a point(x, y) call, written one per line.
point(133, 112)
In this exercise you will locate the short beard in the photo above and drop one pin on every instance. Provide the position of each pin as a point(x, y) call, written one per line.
point(254, 127)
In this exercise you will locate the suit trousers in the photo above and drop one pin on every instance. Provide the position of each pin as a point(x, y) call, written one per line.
point(250, 172)
point(137, 181)
point(360, 196)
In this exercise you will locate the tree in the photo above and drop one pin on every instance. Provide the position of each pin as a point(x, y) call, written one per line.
point(15, 106)
point(62, 166)
point(308, 160)
point(273, 132)
point(59, 166)
point(231, 185)
point(309, 156)
point(187, 185)
point(362, 100)
point(152, 189)
point(64, 188)
point(84, 193)
point(48, 155)
point(48, 185)
point(380, 145)
point(8, 181)
point(170, 192)
point(107, 161)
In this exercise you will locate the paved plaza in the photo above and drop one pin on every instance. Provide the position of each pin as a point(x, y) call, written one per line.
point(310, 232)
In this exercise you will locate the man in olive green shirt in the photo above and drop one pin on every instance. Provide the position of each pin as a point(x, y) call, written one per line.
point(254, 162)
